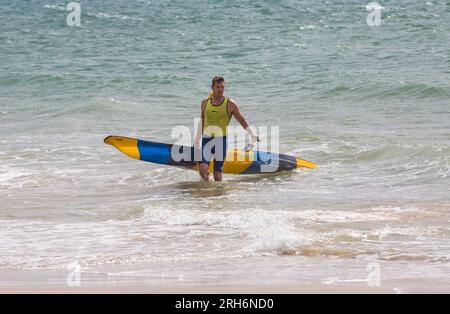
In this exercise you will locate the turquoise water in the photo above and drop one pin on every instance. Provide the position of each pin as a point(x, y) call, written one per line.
point(369, 105)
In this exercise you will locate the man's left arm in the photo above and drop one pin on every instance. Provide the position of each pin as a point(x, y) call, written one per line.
point(237, 114)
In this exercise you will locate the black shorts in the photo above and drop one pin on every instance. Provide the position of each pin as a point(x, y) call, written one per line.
point(214, 148)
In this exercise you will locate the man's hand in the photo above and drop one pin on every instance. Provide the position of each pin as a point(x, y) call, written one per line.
point(254, 138)
point(197, 143)
point(252, 135)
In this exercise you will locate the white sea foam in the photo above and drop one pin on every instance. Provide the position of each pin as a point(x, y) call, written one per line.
point(55, 7)
point(261, 230)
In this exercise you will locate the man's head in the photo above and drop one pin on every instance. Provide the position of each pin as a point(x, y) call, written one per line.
point(218, 86)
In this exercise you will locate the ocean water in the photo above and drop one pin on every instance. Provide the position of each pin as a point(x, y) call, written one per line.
point(369, 105)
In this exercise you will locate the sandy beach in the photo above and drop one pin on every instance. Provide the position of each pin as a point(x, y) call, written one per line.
point(265, 276)
point(45, 282)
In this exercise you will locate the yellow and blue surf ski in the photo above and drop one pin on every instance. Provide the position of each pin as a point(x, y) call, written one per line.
point(236, 162)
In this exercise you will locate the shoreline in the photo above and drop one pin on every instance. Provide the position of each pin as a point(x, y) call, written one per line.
point(269, 275)
point(92, 282)
point(239, 289)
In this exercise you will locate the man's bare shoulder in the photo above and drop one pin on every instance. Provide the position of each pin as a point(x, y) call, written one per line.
point(204, 101)
point(232, 105)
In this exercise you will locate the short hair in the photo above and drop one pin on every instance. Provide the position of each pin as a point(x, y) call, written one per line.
point(217, 79)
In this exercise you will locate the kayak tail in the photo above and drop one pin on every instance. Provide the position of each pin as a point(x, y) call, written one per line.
point(305, 164)
point(128, 146)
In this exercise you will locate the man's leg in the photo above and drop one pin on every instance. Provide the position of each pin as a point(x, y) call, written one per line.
point(221, 155)
point(203, 171)
point(217, 175)
point(206, 157)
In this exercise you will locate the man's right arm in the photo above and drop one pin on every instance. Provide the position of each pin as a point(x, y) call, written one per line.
point(200, 125)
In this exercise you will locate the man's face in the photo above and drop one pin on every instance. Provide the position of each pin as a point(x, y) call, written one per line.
point(218, 88)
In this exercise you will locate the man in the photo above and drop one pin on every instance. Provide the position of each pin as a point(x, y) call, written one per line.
point(216, 113)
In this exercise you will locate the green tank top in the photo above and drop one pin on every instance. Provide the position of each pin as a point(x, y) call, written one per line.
point(216, 119)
